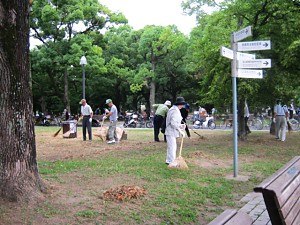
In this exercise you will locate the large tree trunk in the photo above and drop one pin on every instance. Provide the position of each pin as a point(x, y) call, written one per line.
point(19, 176)
point(152, 94)
point(241, 125)
point(66, 91)
point(152, 87)
point(242, 132)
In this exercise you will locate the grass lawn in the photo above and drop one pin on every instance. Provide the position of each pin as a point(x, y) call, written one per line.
point(77, 174)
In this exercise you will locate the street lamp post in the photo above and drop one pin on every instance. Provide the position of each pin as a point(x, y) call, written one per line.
point(82, 63)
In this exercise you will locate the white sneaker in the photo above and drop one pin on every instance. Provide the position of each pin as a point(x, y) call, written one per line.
point(111, 141)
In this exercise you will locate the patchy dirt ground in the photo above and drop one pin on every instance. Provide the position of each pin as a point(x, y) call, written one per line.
point(77, 197)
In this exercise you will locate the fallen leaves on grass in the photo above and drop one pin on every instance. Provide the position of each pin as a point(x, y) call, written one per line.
point(124, 192)
point(197, 154)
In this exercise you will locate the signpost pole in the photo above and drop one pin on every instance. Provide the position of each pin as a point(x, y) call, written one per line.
point(234, 95)
point(245, 61)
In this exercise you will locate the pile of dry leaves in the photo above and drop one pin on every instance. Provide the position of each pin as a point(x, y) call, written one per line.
point(124, 192)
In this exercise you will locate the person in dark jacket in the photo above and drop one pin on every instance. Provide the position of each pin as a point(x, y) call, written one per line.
point(184, 113)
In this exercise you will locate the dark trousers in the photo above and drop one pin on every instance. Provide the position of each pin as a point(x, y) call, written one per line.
point(86, 125)
point(186, 128)
point(158, 120)
point(291, 114)
point(247, 129)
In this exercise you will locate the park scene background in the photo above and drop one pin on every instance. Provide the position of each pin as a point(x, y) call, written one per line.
point(58, 180)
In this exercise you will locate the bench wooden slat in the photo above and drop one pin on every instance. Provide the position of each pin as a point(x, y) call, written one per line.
point(270, 179)
point(293, 214)
point(240, 218)
point(232, 217)
point(287, 177)
point(224, 216)
point(293, 198)
point(281, 193)
point(297, 220)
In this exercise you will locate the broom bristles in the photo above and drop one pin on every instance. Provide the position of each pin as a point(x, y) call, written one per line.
point(178, 163)
point(67, 134)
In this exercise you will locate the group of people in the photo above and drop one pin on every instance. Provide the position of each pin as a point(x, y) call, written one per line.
point(281, 116)
point(87, 115)
point(172, 122)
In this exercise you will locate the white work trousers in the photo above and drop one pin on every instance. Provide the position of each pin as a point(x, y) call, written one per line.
point(172, 147)
point(280, 127)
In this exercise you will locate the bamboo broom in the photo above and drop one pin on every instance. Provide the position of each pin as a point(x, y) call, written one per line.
point(179, 162)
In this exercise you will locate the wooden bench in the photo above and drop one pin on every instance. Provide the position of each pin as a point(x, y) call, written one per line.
point(232, 217)
point(281, 193)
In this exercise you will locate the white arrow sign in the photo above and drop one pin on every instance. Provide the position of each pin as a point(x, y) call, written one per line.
point(242, 34)
point(250, 73)
point(226, 52)
point(257, 63)
point(254, 45)
point(244, 56)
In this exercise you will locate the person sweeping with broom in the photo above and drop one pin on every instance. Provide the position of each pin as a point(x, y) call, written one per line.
point(173, 130)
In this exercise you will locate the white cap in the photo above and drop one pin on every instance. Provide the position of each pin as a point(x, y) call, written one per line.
point(82, 101)
point(168, 103)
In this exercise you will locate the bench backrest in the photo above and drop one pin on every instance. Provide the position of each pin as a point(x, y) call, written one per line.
point(281, 193)
point(232, 217)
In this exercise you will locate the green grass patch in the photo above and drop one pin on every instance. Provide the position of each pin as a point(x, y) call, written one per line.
point(173, 196)
point(87, 214)
point(48, 210)
point(263, 167)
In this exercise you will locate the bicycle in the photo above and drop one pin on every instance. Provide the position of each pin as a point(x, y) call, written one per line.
point(226, 123)
point(260, 122)
point(255, 123)
point(149, 122)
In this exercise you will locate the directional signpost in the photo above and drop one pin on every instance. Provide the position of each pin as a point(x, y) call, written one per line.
point(226, 52)
point(254, 45)
point(242, 73)
point(243, 65)
point(257, 63)
point(242, 34)
point(244, 56)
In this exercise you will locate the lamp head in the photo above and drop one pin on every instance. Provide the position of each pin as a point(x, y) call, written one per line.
point(83, 60)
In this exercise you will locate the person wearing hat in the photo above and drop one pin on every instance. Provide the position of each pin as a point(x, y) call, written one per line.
point(160, 115)
point(174, 128)
point(113, 117)
point(87, 115)
point(185, 113)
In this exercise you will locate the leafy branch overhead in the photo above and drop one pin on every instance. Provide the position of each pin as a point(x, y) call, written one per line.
point(155, 63)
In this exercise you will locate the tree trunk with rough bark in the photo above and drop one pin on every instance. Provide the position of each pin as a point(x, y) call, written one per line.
point(242, 131)
point(19, 176)
point(66, 91)
point(152, 86)
point(152, 94)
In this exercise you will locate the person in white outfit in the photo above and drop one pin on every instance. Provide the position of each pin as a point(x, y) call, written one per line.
point(280, 119)
point(174, 128)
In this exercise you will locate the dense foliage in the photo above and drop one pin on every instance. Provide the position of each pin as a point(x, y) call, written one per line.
point(157, 63)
